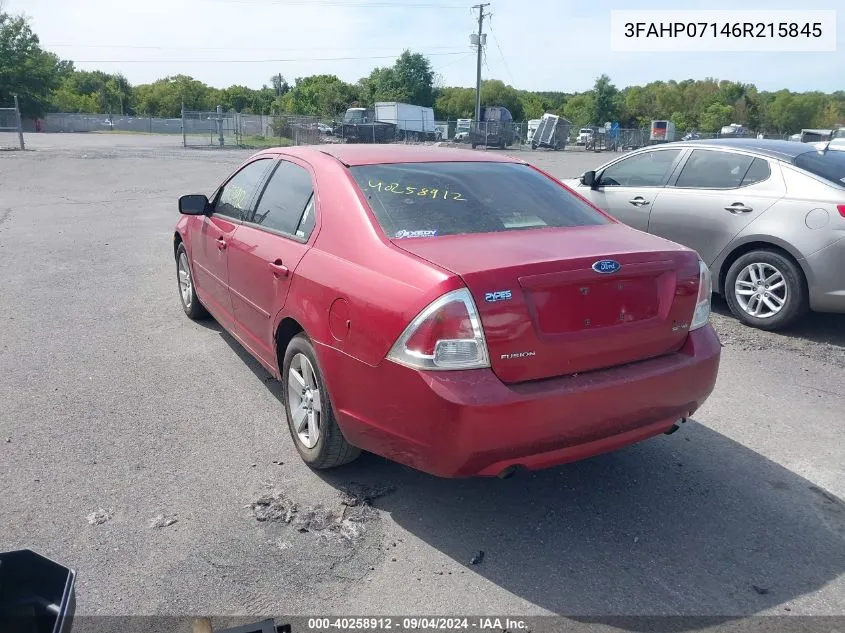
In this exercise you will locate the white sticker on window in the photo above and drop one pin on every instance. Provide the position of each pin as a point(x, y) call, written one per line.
point(404, 233)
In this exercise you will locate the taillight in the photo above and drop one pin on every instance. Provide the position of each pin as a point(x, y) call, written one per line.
point(446, 335)
point(841, 209)
point(702, 303)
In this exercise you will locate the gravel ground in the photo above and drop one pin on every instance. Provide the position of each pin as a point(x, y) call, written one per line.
point(150, 452)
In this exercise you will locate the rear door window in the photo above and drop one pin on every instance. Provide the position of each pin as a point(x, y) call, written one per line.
point(758, 172)
point(712, 169)
point(649, 169)
point(829, 165)
point(434, 199)
point(284, 199)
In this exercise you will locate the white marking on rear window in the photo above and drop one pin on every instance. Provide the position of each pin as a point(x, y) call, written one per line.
point(426, 233)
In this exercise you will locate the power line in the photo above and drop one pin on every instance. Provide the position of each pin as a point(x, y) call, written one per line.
point(244, 61)
point(344, 4)
point(240, 48)
point(501, 54)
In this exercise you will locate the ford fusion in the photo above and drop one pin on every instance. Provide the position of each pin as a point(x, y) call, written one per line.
point(461, 313)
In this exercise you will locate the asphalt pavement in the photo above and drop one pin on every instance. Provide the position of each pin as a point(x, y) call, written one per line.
point(117, 413)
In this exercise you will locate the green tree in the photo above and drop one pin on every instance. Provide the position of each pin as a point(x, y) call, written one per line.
point(25, 69)
point(495, 92)
point(455, 103)
point(533, 106)
point(715, 116)
point(580, 109)
point(164, 98)
point(409, 80)
point(604, 101)
point(319, 95)
point(92, 91)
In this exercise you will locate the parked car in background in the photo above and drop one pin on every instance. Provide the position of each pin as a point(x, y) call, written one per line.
point(734, 130)
point(767, 217)
point(459, 312)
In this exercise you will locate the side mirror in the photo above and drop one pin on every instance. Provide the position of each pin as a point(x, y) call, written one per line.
point(588, 179)
point(194, 204)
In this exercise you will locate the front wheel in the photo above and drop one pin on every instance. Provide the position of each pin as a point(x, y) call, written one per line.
point(308, 409)
point(766, 290)
point(187, 291)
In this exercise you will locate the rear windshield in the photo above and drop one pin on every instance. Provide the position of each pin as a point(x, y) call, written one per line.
point(829, 165)
point(433, 199)
point(660, 125)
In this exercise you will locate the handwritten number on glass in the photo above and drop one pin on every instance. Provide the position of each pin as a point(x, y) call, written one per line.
point(425, 192)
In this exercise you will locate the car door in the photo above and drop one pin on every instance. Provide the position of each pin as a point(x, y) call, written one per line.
point(266, 250)
point(629, 187)
point(714, 196)
point(210, 252)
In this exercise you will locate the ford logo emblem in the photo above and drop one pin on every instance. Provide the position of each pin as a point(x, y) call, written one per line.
point(606, 266)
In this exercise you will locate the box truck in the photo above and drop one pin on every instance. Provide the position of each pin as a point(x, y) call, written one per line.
point(413, 123)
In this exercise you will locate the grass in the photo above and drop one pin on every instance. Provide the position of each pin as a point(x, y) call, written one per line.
point(265, 141)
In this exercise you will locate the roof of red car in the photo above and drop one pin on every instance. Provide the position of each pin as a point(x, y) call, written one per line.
point(374, 154)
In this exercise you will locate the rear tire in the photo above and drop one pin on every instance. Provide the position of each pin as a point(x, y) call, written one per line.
point(308, 409)
point(766, 290)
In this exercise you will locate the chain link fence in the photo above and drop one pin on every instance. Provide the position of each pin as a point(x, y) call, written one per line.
point(218, 128)
point(11, 129)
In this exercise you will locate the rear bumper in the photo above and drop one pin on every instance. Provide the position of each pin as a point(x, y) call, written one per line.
point(458, 424)
point(826, 278)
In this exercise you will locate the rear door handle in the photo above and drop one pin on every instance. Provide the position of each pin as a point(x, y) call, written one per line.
point(221, 243)
point(639, 201)
point(279, 269)
point(738, 207)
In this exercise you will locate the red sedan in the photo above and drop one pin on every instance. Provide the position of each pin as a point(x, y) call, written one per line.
point(463, 313)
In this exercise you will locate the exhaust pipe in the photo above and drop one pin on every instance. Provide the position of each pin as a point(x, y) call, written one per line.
point(508, 472)
point(674, 428)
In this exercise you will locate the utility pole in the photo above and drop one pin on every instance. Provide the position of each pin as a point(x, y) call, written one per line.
point(480, 47)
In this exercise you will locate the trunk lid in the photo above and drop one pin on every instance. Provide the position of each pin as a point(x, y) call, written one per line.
point(545, 309)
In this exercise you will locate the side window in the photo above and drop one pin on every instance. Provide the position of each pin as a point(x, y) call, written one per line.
point(309, 220)
point(712, 169)
point(233, 201)
point(758, 172)
point(284, 199)
point(649, 169)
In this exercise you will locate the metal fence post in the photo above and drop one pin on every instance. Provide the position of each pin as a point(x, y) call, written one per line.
point(220, 125)
point(18, 123)
point(184, 137)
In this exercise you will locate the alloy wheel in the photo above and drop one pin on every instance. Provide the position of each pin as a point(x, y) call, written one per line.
point(186, 285)
point(761, 290)
point(304, 400)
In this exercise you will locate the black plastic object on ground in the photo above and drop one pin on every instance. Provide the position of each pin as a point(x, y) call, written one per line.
point(36, 594)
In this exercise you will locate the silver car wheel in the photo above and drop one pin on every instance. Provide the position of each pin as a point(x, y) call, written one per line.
point(761, 290)
point(304, 400)
point(186, 285)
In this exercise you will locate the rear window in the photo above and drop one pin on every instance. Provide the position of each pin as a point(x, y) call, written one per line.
point(660, 125)
point(829, 165)
point(433, 199)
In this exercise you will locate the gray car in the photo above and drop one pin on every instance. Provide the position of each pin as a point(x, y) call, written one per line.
point(767, 216)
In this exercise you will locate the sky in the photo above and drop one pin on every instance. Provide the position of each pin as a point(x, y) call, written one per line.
point(560, 45)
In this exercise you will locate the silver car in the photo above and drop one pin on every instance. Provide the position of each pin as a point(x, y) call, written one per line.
point(767, 216)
